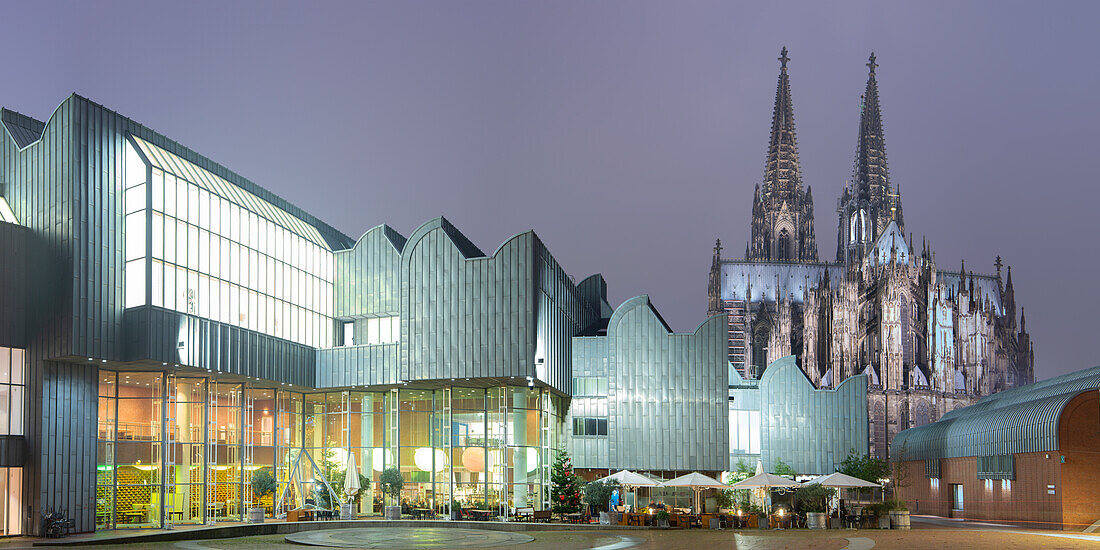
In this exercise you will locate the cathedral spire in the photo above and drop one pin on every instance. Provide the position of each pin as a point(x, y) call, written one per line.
point(869, 202)
point(871, 175)
point(782, 171)
point(782, 212)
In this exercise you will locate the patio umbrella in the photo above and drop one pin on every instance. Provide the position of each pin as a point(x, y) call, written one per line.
point(697, 482)
point(838, 480)
point(351, 477)
point(630, 480)
point(765, 482)
point(626, 478)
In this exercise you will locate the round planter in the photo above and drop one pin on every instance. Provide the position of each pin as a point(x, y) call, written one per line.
point(255, 515)
point(899, 519)
point(815, 520)
point(884, 521)
point(393, 512)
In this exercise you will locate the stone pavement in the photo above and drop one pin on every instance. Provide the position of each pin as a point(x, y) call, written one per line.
point(397, 537)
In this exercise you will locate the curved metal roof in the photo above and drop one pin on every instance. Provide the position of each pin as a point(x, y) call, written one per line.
point(1020, 420)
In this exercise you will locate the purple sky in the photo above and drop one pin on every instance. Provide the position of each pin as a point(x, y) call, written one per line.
point(628, 135)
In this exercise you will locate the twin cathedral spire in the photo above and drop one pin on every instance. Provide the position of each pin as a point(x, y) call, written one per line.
point(783, 211)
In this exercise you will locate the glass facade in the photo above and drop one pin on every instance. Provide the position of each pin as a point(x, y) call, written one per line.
point(484, 448)
point(197, 244)
point(12, 368)
point(12, 371)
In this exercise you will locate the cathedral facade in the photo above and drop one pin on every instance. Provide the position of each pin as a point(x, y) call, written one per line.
point(929, 339)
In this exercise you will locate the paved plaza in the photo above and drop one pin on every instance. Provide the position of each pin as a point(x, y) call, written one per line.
point(396, 537)
point(927, 533)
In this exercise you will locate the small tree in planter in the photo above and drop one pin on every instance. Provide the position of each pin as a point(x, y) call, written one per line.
point(810, 499)
point(263, 485)
point(598, 493)
point(881, 510)
point(662, 518)
point(391, 482)
point(899, 513)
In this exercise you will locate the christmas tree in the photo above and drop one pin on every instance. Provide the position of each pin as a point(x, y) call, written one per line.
point(565, 495)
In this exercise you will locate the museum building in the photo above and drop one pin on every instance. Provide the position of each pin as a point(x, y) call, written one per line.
point(168, 329)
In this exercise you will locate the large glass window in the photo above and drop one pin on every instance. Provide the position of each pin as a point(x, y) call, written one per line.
point(485, 448)
point(137, 456)
point(12, 368)
point(220, 252)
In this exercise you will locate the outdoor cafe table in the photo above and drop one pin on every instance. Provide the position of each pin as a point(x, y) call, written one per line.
point(481, 515)
point(574, 518)
point(634, 518)
point(421, 513)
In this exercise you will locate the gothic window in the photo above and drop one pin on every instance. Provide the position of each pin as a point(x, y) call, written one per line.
point(759, 351)
point(783, 245)
point(852, 227)
point(864, 235)
point(921, 416)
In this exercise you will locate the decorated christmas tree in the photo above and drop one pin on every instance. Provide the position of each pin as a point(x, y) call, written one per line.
point(565, 494)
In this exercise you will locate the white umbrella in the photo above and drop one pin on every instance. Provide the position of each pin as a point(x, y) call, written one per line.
point(629, 479)
point(697, 482)
point(766, 482)
point(351, 477)
point(841, 481)
point(838, 480)
point(626, 478)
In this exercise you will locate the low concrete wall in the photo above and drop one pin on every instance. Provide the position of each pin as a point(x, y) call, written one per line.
point(282, 528)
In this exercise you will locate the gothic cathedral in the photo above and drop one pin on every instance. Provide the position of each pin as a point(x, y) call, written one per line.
point(929, 340)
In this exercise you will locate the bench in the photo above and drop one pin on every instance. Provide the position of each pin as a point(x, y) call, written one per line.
point(541, 515)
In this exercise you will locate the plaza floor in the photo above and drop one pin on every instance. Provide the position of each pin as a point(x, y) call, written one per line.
point(926, 533)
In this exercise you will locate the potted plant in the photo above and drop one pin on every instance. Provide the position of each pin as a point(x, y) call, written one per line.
point(899, 514)
point(390, 483)
point(811, 500)
point(456, 510)
point(662, 519)
point(263, 485)
point(351, 502)
point(761, 516)
point(882, 512)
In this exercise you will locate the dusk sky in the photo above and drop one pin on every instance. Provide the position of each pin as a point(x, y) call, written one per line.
point(628, 135)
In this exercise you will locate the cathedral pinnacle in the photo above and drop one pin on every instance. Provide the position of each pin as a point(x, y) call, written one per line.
point(871, 63)
point(783, 59)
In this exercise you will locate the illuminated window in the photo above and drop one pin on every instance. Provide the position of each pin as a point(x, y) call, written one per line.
point(383, 330)
point(12, 368)
point(222, 253)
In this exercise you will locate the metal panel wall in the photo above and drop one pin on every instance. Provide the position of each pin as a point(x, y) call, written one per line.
point(368, 276)
point(164, 336)
point(589, 360)
point(667, 402)
point(13, 285)
point(811, 430)
point(63, 448)
point(562, 311)
point(357, 366)
point(465, 317)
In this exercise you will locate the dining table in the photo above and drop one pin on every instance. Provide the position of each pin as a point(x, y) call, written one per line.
point(480, 515)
